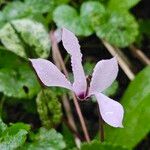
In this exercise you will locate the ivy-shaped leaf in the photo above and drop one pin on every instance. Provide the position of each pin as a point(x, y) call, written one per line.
point(73, 21)
point(47, 140)
point(119, 29)
point(17, 79)
point(49, 108)
point(26, 38)
point(14, 136)
point(137, 112)
point(96, 145)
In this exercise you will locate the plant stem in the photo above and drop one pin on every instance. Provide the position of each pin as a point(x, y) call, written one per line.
point(57, 52)
point(140, 55)
point(83, 125)
point(122, 60)
point(101, 128)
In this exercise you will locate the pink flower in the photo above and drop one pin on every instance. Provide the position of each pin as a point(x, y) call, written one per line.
point(105, 72)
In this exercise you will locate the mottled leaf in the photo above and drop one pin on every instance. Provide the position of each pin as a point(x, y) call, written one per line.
point(11, 41)
point(47, 140)
point(26, 38)
point(34, 35)
point(119, 29)
point(73, 21)
point(15, 10)
point(14, 136)
point(91, 11)
point(49, 108)
point(43, 6)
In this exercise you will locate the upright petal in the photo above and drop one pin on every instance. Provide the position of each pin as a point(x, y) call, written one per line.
point(110, 110)
point(105, 72)
point(49, 73)
point(71, 44)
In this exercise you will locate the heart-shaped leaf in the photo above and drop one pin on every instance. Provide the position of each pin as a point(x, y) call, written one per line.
point(66, 16)
point(119, 29)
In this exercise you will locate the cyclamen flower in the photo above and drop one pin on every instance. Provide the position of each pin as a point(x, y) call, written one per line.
point(105, 72)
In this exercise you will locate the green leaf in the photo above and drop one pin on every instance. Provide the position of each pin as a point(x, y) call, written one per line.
point(11, 41)
point(2, 19)
point(119, 29)
point(18, 10)
point(35, 35)
point(15, 10)
point(47, 140)
point(72, 21)
point(68, 137)
point(122, 4)
point(3, 126)
point(49, 108)
point(17, 79)
point(40, 6)
point(96, 145)
point(137, 111)
point(14, 136)
point(91, 11)
point(26, 38)
point(43, 6)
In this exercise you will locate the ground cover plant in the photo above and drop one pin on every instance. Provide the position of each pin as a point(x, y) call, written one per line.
point(107, 105)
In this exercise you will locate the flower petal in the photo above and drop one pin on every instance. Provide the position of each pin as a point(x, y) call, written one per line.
point(71, 44)
point(110, 110)
point(49, 73)
point(105, 72)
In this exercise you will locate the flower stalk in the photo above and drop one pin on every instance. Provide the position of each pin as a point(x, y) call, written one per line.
point(75, 101)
